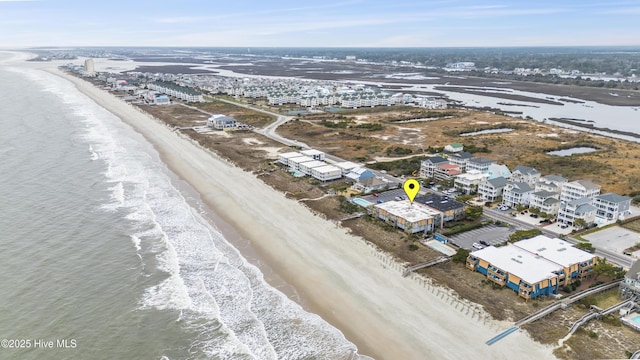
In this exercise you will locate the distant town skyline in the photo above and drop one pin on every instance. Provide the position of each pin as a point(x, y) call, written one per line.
point(348, 23)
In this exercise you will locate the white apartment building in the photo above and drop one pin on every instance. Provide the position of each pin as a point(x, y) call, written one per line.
point(429, 165)
point(577, 209)
point(315, 154)
point(460, 159)
point(579, 189)
point(467, 183)
point(545, 201)
point(285, 157)
point(294, 163)
point(611, 207)
point(307, 167)
point(480, 164)
point(516, 193)
point(552, 183)
point(492, 189)
point(326, 173)
point(525, 174)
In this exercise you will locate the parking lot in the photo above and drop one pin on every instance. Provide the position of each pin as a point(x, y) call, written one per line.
point(385, 196)
point(492, 234)
point(614, 239)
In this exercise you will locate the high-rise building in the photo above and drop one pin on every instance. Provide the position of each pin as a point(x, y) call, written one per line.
point(88, 66)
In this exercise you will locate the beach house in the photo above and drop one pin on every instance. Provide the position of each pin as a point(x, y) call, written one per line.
point(221, 122)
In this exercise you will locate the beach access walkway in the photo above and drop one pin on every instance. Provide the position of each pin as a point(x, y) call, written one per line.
point(553, 307)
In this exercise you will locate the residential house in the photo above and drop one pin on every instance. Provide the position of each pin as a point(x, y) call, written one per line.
point(460, 159)
point(579, 189)
point(610, 207)
point(446, 172)
point(467, 183)
point(374, 183)
point(480, 164)
point(428, 166)
point(552, 183)
point(359, 173)
point(516, 193)
point(498, 170)
point(545, 201)
point(219, 121)
point(630, 286)
point(491, 189)
point(454, 148)
point(525, 174)
point(577, 209)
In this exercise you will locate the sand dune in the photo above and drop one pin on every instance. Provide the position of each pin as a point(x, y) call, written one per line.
point(338, 276)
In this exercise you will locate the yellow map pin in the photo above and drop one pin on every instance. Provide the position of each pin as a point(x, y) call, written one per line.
point(411, 188)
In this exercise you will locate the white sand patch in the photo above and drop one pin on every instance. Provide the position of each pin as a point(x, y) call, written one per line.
point(408, 129)
point(480, 123)
point(252, 141)
point(272, 152)
point(551, 135)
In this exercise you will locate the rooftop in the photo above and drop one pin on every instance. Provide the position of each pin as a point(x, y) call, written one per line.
point(519, 262)
point(525, 170)
point(290, 155)
point(326, 169)
point(614, 198)
point(411, 212)
point(556, 250)
point(311, 152)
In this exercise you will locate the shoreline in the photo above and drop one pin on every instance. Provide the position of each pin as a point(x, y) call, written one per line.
point(385, 315)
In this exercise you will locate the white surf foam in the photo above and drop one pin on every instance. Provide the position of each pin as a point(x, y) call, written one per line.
point(215, 290)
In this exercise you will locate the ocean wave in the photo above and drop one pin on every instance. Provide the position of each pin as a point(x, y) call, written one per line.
point(219, 296)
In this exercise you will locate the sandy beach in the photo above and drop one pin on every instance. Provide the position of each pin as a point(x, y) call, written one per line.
point(338, 276)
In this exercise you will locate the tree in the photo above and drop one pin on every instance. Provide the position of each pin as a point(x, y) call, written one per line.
point(586, 246)
point(460, 256)
point(472, 213)
point(534, 210)
point(602, 267)
point(580, 223)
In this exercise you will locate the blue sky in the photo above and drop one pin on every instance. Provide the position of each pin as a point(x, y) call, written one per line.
point(327, 23)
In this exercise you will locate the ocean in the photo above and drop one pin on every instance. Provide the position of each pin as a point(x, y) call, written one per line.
point(106, 254)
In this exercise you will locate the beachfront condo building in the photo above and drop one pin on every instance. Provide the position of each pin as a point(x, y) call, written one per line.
point(533, 267)
point(412, 218)
point(326, 173)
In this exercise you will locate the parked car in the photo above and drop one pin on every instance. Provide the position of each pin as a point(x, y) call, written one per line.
point(477, 246)
point(374, 194)
point(484, 243)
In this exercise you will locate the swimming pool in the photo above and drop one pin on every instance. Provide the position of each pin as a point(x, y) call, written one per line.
point(636, 319)
point(361, 202)
point(447, 250)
